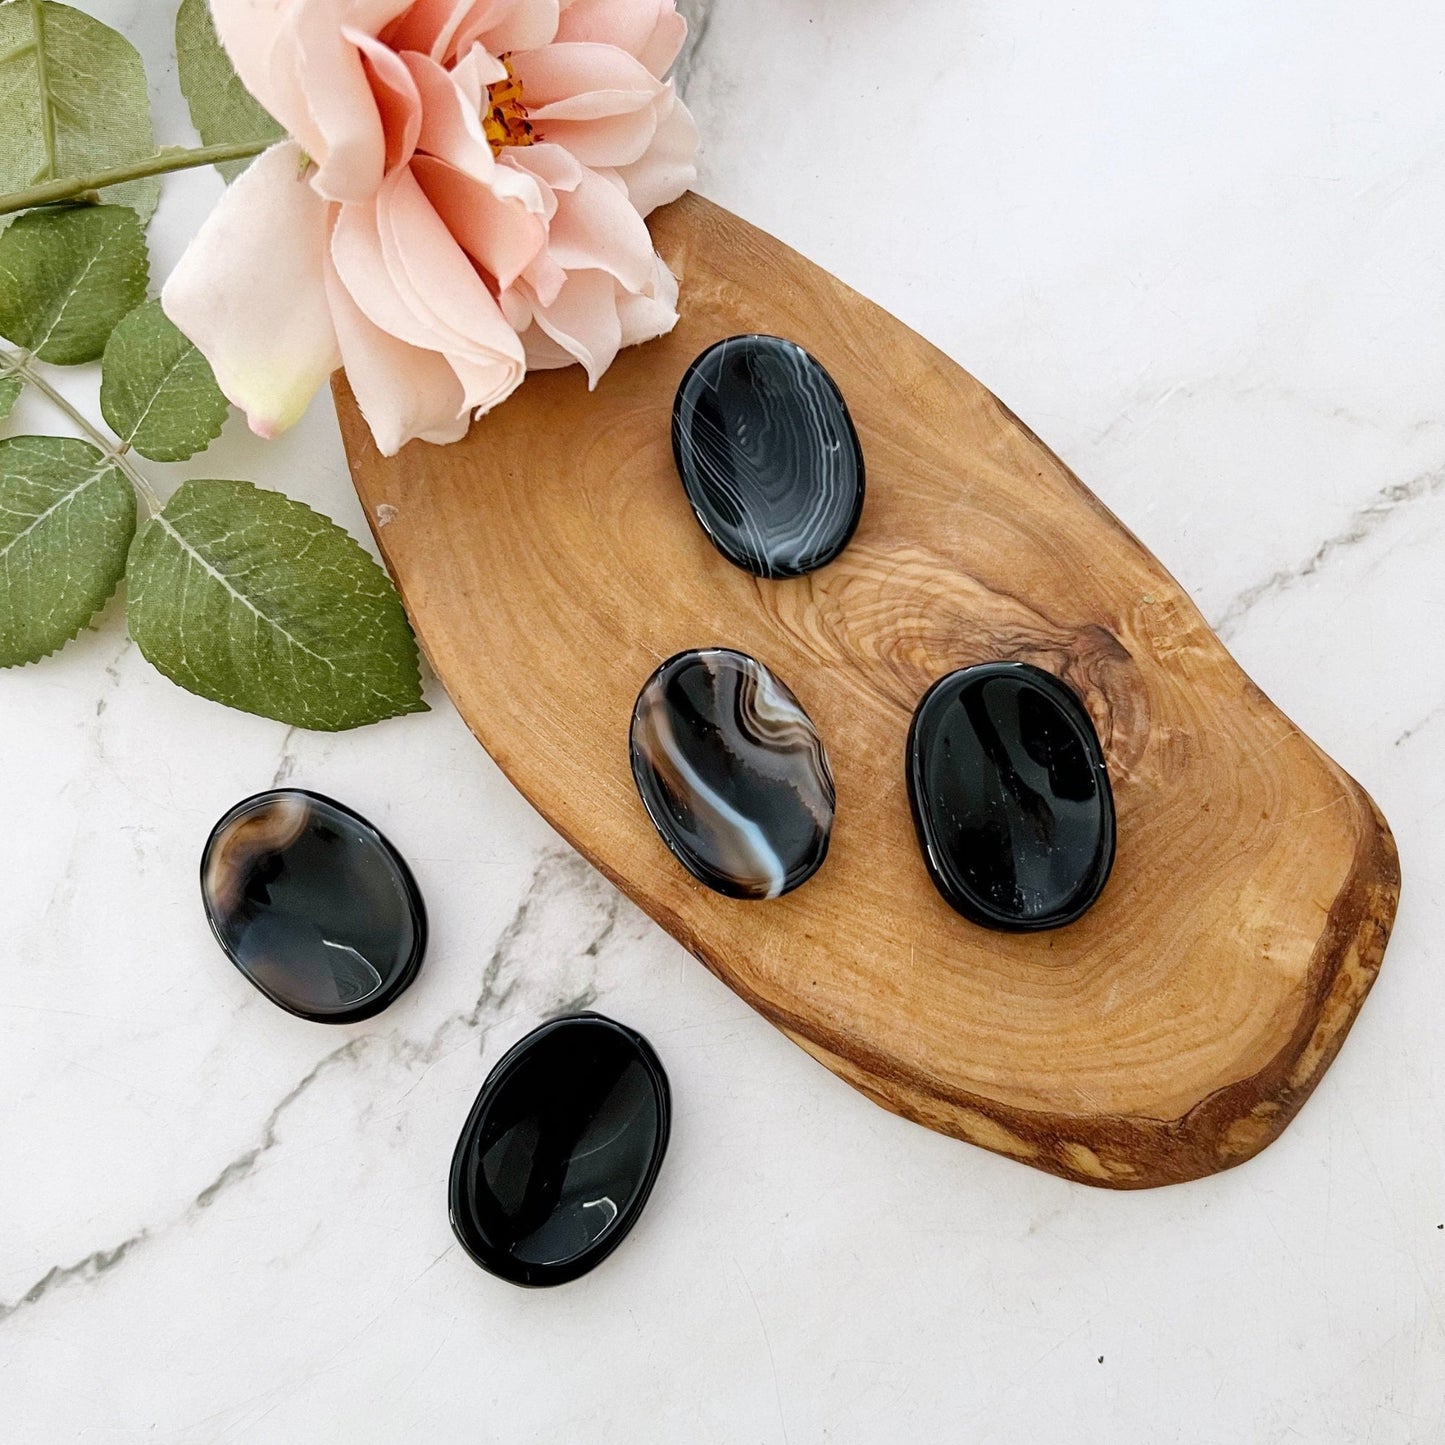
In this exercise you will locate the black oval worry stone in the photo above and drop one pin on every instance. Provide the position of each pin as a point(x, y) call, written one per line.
point(768, 455)
point(1010, 797)
point(313, 905)
point(560, 1150)
point(732, 773)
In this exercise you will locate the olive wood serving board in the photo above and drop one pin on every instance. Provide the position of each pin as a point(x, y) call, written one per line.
point(550, 561)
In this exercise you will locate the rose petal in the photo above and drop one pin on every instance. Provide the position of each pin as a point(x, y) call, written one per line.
point(666, 41)
point(651, 30)
point(653, 312)
point(249, 291)
point(583, 321)
point(557, 169)
point(543, 354)
point(398, 101)
point(502, 235)
point(452, 130)
point(249, 30)
point(526, 26)
point(430, 26)
point(405, 393)
point(572, 81)
point(348, 146)
point(597, 228)
point(410, 278)
point(669, 166)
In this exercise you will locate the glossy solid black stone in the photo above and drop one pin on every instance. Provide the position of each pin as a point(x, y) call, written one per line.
point(313, 905)
point(560, 1151)
point(1010, 797)
point(732, 773)
point(768, 455)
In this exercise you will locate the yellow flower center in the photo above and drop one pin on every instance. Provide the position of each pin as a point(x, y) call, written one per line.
point(505, 119)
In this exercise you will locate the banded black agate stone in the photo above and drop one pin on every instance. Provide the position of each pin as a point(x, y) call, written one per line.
point(560, 1151)
point(768, 455)
point(1011, 797)
point(313, 905)
point(732, 773)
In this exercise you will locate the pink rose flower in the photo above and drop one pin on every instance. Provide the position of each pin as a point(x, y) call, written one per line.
point(462, 199)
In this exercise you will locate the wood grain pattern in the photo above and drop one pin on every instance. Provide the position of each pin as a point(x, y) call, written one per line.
point(550, 561)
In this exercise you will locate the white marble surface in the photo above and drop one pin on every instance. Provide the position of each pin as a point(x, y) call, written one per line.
point(1198, 248)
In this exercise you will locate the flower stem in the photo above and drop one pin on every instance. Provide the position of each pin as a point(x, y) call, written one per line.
point(21, 364)
point(169, 158)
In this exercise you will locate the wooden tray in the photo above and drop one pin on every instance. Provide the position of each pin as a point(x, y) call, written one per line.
point(550, 561)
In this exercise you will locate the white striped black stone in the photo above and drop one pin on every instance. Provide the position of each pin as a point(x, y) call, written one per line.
point(768, 456)
point(732, 773)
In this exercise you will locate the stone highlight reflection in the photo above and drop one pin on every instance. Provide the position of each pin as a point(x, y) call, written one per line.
point(560, 1151)
point(1010, 797)
point(768, 456)
point(732, 773)
point(313, 905)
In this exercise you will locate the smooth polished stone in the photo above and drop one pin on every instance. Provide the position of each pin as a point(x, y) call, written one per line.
point(560, 1151)
point(732, 773)
point(1011, 797)
point(768, 455)
point(313, 905)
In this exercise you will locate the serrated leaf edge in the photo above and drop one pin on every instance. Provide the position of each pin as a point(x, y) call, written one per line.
point(389, 703)
point(106, 466)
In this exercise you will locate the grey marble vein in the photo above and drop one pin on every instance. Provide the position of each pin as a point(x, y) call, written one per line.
point(559, 874)
point(698, 14)
point(241, 1166)
point(83, 1271)
point(1361, 526)
point(286, 764)
point(1432, 716)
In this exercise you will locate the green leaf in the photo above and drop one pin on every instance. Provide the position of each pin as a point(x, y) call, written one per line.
point(156, 390)
point(11, 385)
point(73, 100)
point(67, 516)
point(67, 277)
point(222, 109)
point(256, 601)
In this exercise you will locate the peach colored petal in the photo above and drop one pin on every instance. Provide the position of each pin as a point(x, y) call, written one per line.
point(398, 101)
point(545, 278)
point(405, 393)
point(430, 26)
point(616, 141)
point(474, 72)
point(668, 168)
point(570, 81)
point(410, 278)
point(652, 312)
point(663, 47)
point(351, 154)
point(452, 131)
point(597, 228)
point(501, 235)
point(526, 25)
point(583, 322)
point(557, 169)
point(250, 292)
point(651, 30)
point(257, 36)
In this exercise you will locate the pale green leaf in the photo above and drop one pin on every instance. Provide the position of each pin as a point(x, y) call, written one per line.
point(156, 390)
point(67, 516)
point(11, 385)
point(67, 276)
point(256, 601)
point(73, 100)
point(222, 109)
